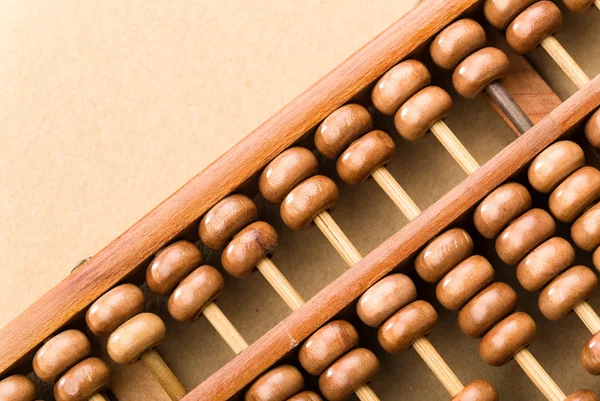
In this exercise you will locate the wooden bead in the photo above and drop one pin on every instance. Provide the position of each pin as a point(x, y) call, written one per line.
point(364, 156)
point(523, 235)
point(456, 42)
point(464, 281)
point(586, 229)
point(196, 291)
point(589, 355)
point(442, 254)
point(306, 396)
point(313, 196)
point(479, 70)
point(567, 290)
point(406, 326)
point(171, 265)
point(286, 171)
point(592, 130)
point(327, 345)
point(114, 308)
point(83, 380)
point(575, 193)
point(398, 84)
point(345, 376)
point(499, 13)
point(544, 263)
point(341, 128)
point(277, 384)
point(555, 164)
point(17, 388)
point(487, 308)
point(478, 390)
point(578, 6)
point(134, 337)
point(582, 395)
point(534, 24)
point(60, 353)
point(256, 241)
point(506, 338)
point(500, 207)
point(421, 111)
point(384, 298)
point(596, 258)
point(226, 219)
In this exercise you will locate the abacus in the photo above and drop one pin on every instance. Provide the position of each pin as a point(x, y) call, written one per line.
point(532, 206)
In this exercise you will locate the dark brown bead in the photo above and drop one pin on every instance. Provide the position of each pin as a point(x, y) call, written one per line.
point(555, 164)
point(256, 241)
point(341, 128)
point(226, 219)
point(456, 42)
point(499, 13)
point(590, 355)
point(534, 24)
point(364, 156)
point(17, 388)
point(443, 253)
point(196, 291)
point(478, 390)
point(345, 376)
point(278, 384)
point(384, 298)
point(544, 263)
point(83, 380)
point(114, 308)
point(575, 193)
point(464, 281)
point(406, 326)
point(506, 338)
point(60, 353)
point(398, 84)
point(566, 291)
point(421, 111)
point(479, 70)
point(500, 207)
point(313, 196)
point(171, 265)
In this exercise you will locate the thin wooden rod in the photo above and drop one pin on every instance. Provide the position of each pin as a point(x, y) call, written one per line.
point(391, 187)
point(588, 316)
point(539, 376)
point(509, 107)
point(366, 393)
point(337, 238)
point(281, 285)
point(456, 149)
point(565, 61)
point(438, 366)
point(98, 397)
point(225, 328)
point(163, 374)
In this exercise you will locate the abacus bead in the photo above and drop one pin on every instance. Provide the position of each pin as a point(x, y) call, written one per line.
point(17, 388)
point(384, 298)
point(60, 353)
point(589, 355)
point(544, 263)
point(533, 25)
point(443, 253)
point(250, 245)
point(592, 130)
point(555, 164)
point(341, 128)
point(578, 6)
point(326, 345)
point(134, 337)
point(225, 219)
point(421, 111)
point(348, 373)
point(586, 229)
point(596, 258)
point(306, 396)
point(523, 235)
point(582, 395)
point(406, 326)
point(286, 171)
point(196, 291)
point(398, 84)
point(464, 281)
point(575, 193)
point(83, 380)
point(313, 196)
point(477, 390)
point(364, 156)
point(114, 308)
point(500, 207)
point(567, 290)
point(171, 265)
point(456, 42)
point(500, 12)
point(506, 338)
point(278, 384)
point(479, 70)
point(486, 309)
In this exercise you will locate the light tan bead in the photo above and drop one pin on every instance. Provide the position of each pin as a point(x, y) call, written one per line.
point(341, 128)
point(278, 384)
point(464, 281)
point(478, 390)
point(60, 353)
point(589, 355)
point(479, 70)
point(523, 235)
point(114, 308)
point(384, 298)
point(506, 338)
point(286, 171)
point(256, 241)
point(534, 24)
point(196, 291)
point(406, 326)
point(456, 42)
point(17, 388)
point(306, 396)
point(398, 84)
point(555, 164)
point(351, 371)
point(500, 207)
point(171, 265)
point(582, 395)
point(442, 254)
point(575, 193)
point(134, 337)
point(313, 196)
point(487, 308)
point(544, 263)
point(586, 229)
point(499, 13)
point(226, 219)
point(567, 290)
point(421, 111)
point(364, 156)
point(592, 130)
point(83, 380)
point(327, 345)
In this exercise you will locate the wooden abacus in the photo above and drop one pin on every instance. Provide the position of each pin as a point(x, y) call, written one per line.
point(351, 114)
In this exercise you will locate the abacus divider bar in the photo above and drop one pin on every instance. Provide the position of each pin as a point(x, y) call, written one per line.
point(366, 393)
point(454, 146)
point(509, 107)
point(438, 366)
point(565, 61)
point(224, 327)
point(337, 238)
point(395, 192)
point(281, 285)
point(588, 316)
point(163, 374)
point(539, 376)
